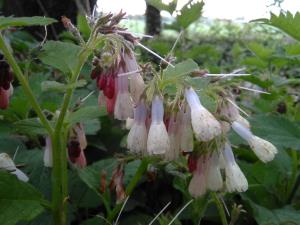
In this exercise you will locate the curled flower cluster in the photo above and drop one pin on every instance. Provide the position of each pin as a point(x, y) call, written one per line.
point(6, 89)
point(120, 84)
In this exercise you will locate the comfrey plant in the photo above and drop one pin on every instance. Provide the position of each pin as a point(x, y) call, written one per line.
point(168, 110)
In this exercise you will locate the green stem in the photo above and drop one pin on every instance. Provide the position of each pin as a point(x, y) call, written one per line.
point(139, 173)
point(59, 140)
point(220, 208)
point(24, 83)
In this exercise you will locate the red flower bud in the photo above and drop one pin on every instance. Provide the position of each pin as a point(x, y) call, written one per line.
point(102, 81)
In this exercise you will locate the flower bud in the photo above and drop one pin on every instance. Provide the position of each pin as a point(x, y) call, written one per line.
point(235, 179)
point(205, 126)
point(6, 163)
point(158, 139)
point(137, 137)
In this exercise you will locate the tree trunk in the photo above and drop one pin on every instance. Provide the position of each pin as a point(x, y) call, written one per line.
point(153, 20)
point(53, 8)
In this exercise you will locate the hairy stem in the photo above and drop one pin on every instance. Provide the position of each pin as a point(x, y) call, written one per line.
point(24, 83)
point(220, 208)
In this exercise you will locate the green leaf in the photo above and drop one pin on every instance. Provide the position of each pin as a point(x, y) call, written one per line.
point(190, 13)
point(86, 113)
point(60, 87)
point(83, 25)
point(31, 126)
point(60, 55)
point(6, 22)
point(181, 69)
point(91, 174)
point(264, 216)
point(18, 200)
point(286, 22)
point(278, 130)
point(260, 51)
point(162, 6)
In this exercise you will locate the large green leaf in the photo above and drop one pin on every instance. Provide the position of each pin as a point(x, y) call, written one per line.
point(86, 113)
point(61, 55)
point(189, 13)
point(286, 22)
point(263, 216)
point(24, 21)
point(180, 69)
point(278, 130)
point(18, 200)
point(260, 51)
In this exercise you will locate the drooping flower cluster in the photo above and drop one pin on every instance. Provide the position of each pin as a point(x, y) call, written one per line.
point(6, 89)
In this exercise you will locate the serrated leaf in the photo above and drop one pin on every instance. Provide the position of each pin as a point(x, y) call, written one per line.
point(60, 55)
point(286, 22)
point(25, 21)
point(60, 87)
point(86, 113)
point(189, 14)
point(162, 6)
point(19, 201)
point(181, 69)
point(260, 51)
point(278, 130)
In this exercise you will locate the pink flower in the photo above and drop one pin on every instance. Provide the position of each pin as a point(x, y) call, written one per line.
point(198, 184)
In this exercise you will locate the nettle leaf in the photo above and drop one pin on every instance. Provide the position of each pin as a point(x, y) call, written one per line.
point(260, 51)
point(286, 22)
point(18, 200)
point(60, 87)
point(278, 130)
point(61, 55)
point(181, 69)
point(189, 14)
point(6, 22)
point(86, 113)
point(162, 6)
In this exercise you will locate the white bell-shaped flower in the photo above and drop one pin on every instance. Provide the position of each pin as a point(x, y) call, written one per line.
point(186, 131)
point(263, 149)
point(137, 137)
point(235, 179)
point(198, 185)
point(204, 124)
point(158, 139)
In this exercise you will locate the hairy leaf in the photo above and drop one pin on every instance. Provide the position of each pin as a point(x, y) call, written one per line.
point(60, 55)
point(18, 200)
point(6, 22)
